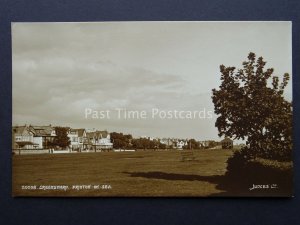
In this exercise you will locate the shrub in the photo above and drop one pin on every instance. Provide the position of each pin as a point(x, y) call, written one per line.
point(244, 170)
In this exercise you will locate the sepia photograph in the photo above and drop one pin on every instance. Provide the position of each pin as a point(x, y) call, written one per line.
point(152, 109)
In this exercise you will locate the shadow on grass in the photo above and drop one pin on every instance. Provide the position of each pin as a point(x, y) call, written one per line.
point(215, 179)
point(174, 176)
point(229, 187)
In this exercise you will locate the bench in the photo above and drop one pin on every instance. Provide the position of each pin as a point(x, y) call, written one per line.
point(187, 156)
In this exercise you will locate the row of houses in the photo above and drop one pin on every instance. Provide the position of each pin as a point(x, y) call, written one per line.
point(174, 142)
point(85, 140)
point(226, 143)
point(40, 137)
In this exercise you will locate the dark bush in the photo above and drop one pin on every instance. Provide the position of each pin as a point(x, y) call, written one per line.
point(238, 161)
point(243, 170)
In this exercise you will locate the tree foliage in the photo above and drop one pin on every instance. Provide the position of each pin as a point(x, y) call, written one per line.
point(192, 144)
point(250, 105)
point(120, 140)
point(61, 139)
point(146, 143)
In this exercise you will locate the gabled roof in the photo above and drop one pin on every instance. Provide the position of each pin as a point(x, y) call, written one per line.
point(102, 134)
point(80, 131)
point(97, 134)
point(41, 131)
point(19, 130)
point(90, 134)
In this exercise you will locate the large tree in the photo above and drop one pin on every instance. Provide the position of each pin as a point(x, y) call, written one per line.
point(192, 144)
point(61, 139)
point(121, 140)
point(250, 105)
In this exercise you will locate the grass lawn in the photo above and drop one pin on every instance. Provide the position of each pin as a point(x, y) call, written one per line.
point(143, 173)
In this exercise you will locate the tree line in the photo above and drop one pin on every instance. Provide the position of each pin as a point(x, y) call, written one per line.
point(126, 141)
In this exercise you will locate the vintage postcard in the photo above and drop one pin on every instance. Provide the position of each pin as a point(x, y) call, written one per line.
point(152, 109)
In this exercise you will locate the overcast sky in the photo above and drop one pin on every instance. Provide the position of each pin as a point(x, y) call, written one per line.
point(59, 69)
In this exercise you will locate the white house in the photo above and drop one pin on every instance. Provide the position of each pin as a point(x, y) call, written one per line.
point(181, 143)
point(174, 143)
point(98, 140)
point(23, 138)
point(43, 135)
point(78, 139)
point(32, 137)
point(74, 141)
point(81, 138)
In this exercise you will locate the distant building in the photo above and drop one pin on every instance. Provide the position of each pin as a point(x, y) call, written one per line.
point(168, 142)
point(78, 139)
point(23, 138)
point(227, 143)
point(81, 138)
point(201, 144)
point(98, 140)
point(32, 137)
point(209, 144)
point(181, 143)
point(174, 143)
point(73, 136)
point(43, 135)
